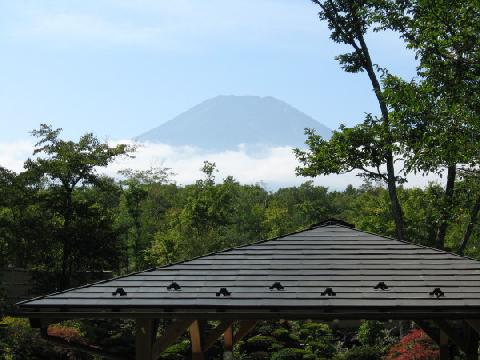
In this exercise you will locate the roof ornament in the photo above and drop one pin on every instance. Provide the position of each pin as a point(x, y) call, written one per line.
point(223, 292)
point(437, 292)
point(277, 286)
point(174, 286)
point(381, 286)
point(329, 292)
point(119, 291)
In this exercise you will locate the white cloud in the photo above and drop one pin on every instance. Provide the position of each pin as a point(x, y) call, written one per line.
point(273, 166)
point(13, 154)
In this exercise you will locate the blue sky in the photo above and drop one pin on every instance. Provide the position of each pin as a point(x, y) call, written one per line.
point(120, 67)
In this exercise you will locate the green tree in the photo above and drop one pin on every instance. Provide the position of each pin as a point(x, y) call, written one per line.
point(437, 115)
point(137, 184)
point(65, 165)
point(371, 145)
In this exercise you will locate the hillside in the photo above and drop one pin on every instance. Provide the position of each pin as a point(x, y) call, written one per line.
point(224, 122)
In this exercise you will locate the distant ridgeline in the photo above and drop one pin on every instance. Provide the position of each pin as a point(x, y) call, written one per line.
point(225, 122)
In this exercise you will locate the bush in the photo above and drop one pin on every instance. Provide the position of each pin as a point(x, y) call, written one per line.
point(67, 333)
point(18, 341)
point(318, 339)
point(178, 351)
point(259, 343)
point(371, 333)
point(416, 345)
point(361, 353)
point(292, 354)
point(285, 337)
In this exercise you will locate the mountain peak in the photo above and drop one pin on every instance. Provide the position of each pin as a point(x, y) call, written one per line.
point(226, 121)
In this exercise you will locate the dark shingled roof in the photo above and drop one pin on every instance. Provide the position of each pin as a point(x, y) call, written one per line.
point(365, 273)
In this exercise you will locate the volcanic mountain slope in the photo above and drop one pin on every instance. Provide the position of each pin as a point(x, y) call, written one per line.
point(225, 122)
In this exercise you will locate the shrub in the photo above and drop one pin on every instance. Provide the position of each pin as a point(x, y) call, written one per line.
point(66, 333)
point(285, 337)
point(18, 341)
point(318, 339)
point(291, 354)
point(177, 352)
point(416, 345)
point(371, 333)
point(259, 343)
point(361, 353)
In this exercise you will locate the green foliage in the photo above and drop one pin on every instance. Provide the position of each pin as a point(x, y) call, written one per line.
point(360, 353)
point(20, 342)
point(291, 354)
point(177, 352)
point(371, 333)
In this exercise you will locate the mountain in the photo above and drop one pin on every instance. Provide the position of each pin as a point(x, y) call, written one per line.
point(224, 122)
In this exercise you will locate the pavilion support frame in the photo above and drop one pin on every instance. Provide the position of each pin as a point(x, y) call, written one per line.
point(464, 333)
point(443, 332)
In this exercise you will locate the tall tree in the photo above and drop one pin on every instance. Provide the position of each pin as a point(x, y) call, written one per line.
point(65, 165)
point(137, 184)
point(370, 146)
point(438, 114)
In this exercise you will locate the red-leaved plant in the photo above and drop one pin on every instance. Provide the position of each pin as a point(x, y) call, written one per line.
point(416, 345)
point(66, 333)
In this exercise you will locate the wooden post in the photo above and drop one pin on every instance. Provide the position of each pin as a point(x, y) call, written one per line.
point(172, 333)
point(471, 339)
point(228, 343)
point(443, 345)
point(196, 340)
point(144, 338)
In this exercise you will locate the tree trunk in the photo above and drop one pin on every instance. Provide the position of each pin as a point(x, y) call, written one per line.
point(66, 253)
point(471, 225)
point(389, 158)
point(446, 207)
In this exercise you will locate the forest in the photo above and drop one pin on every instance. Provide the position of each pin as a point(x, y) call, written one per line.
point(61, 216)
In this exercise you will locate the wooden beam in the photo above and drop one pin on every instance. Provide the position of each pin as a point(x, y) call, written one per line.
point(213, 335)
point(432, 332)
point(172, 333)
point(453, 333)
point(245, 327)
point(145, 335)
point(228, 343)
point(228, 339)
point(196, 334)
point(471, 338)
point(475, 324)
point(443, 346)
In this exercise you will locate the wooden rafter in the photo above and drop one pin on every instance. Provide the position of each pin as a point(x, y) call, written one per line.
point(454, 334)
point(172, 333)
point(245, 327)
point(214, 334)
point(471, 339)
point(431, 331)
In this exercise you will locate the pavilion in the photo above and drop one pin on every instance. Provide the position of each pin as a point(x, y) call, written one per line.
point(329, 271)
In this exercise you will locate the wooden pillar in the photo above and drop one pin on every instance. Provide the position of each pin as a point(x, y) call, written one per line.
point(144, 338)
point(196, 340)
point(443, 345)
point(471, 340)
point(228, 343)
